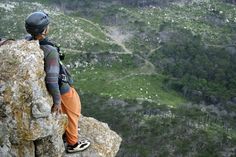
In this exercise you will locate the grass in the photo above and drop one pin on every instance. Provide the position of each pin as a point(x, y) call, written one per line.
point(125, 83)
point(193, 17)
point(69, 32)
point(153, 116)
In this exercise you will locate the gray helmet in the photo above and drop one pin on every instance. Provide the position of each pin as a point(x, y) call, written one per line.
point(36, 22)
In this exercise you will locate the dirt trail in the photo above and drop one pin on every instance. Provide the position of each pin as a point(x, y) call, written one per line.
point(153, 50)
point(116, 35)
point(113, 33)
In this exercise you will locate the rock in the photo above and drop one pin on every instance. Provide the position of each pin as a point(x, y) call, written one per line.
point(104, 142)
point(25, 103)
point(27, 127)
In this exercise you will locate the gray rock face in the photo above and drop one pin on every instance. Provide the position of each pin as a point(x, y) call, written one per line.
point(25, 104)
point(104, 142)
point(27, 128)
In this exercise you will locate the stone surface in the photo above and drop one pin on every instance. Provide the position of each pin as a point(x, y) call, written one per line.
point(104, 142)
point(25, 104)
point(27, 128)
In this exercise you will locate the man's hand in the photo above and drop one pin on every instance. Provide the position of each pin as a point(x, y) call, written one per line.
point(56, 108)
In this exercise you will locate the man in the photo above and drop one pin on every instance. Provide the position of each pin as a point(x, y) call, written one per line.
point(65, 98)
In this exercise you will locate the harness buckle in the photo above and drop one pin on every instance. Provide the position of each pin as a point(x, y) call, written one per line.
point(63, 77)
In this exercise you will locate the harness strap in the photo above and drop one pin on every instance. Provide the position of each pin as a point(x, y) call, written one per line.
point(64, 75)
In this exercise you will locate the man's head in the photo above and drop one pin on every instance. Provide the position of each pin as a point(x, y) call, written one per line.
point(37, 23)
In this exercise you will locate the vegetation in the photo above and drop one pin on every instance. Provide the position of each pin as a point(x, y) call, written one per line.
point(137, 64)
point(158, 130)
point(177, 38)
point(115, 81)
point(69, 32)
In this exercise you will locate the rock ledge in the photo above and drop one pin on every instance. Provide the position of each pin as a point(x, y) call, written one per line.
point(27, 128)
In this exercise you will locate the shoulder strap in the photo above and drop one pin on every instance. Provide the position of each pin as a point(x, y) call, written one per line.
point(64, 75)
point(46, 41)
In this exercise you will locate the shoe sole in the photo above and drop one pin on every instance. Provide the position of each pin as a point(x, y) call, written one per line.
point(78, 150)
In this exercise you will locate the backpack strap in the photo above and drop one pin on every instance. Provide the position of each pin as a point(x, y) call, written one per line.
point(64, 75)
point(48, 42)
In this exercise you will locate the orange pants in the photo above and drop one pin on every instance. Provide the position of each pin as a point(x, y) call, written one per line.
point(71, 106)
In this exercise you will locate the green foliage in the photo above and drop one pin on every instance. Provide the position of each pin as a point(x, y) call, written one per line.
point(157, 130)
point(192, 49)
point(124, 80)
point(199, 68)
point(69, 32)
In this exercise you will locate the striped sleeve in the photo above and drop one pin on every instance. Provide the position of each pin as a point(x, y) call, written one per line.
point(52, 72)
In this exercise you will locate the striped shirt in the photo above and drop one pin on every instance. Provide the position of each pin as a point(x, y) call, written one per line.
point(52, 68)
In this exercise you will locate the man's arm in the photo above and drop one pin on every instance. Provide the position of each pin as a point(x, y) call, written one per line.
point(52, 72)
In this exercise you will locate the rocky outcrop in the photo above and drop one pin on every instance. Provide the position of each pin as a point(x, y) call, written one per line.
point(104, 142)
point(27, 128)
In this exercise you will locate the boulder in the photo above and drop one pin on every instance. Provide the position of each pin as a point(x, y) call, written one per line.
point(27, 127)
point(104, 142)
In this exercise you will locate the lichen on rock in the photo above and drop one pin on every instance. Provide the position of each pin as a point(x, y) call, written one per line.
point(27, 127)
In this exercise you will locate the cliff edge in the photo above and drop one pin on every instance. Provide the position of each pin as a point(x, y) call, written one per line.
point(27, 128)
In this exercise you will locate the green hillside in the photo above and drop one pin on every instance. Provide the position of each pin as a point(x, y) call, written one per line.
point(160, 73)
point(70, 32)
point(178, 38)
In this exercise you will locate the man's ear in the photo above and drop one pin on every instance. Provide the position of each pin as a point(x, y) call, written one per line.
point(46, 30)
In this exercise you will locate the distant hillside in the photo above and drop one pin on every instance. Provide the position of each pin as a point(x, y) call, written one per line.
point(161, 73)
point(191, 41)
point(90, 44)
point(70, 32)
